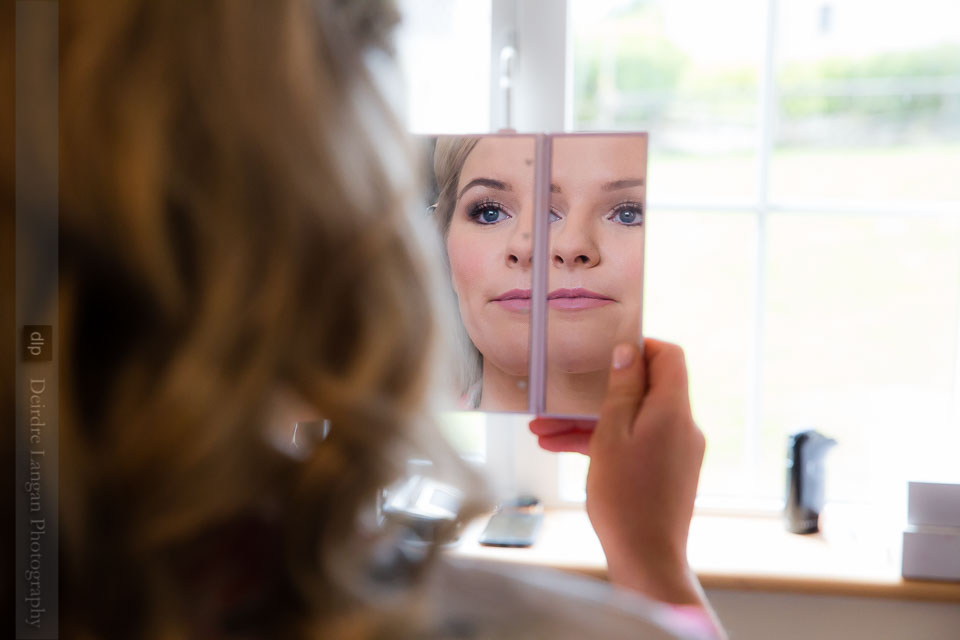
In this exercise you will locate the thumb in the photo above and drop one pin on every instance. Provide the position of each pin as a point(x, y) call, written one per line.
point(625, 390)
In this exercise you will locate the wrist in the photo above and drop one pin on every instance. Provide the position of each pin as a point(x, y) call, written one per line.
point(669, 581)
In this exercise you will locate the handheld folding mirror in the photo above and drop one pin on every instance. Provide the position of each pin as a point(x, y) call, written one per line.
point(544, 240)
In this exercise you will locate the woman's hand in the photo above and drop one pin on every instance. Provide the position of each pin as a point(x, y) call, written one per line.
point(645, 457)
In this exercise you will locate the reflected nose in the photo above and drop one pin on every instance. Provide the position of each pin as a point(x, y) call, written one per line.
point(519, 251)
point(573, 246)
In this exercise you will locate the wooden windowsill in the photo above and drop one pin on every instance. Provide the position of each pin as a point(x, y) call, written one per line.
point(743, 553)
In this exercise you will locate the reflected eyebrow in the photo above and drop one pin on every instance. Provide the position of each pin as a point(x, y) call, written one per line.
point(614, 185)
point(485, 182)
point(622, 184)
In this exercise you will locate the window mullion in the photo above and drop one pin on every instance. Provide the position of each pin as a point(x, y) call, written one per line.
point(956, 366)
point(539, 91)
point(766, 108)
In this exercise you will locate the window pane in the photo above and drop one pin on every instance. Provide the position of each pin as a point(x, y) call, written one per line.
point(698, 294)
point(443, 48)
point(684, 71)
point(466, 431)
point(861, 343)
point(572, 469)
point(867, 113)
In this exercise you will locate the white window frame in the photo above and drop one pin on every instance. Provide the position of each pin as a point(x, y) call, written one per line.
point(531, 91)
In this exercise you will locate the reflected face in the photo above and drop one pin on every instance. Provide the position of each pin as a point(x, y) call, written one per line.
point(490, 245)
point(596, 249)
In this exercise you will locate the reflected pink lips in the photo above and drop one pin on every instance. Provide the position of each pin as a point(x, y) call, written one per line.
point(559, 299)
point(576, 299)
point(515, 300)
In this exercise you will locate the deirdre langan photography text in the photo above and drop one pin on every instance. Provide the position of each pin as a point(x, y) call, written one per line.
point(36, 523)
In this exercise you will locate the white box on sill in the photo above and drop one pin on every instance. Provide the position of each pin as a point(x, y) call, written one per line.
point(931, 553)
point(933, 504)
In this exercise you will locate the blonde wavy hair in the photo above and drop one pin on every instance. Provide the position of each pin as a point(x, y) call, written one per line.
point(233, 227)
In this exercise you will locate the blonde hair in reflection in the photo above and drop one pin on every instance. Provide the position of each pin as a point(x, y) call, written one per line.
point(449, 156)
point(231, 229)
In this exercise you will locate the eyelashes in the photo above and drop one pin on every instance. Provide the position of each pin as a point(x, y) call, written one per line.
point(487, 212)
point(628, 214)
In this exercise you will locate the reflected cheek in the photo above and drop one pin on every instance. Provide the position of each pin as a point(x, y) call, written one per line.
point(466, 266)
point(624, 263)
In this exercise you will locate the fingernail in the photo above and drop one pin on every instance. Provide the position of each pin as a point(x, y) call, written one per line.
point(623, 356)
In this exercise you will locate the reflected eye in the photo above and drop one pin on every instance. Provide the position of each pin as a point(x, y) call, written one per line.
point(629, 214)
point(487, 213)
point(554, 216)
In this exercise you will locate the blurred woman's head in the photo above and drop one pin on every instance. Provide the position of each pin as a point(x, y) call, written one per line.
point(233, 231)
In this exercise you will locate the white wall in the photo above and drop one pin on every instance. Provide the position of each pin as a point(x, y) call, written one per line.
point(751, 615)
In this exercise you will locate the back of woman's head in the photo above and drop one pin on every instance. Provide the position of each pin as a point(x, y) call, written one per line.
point(230, 233)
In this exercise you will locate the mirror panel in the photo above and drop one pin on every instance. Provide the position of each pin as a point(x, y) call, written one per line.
point(481, 199)
point(595, 263)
